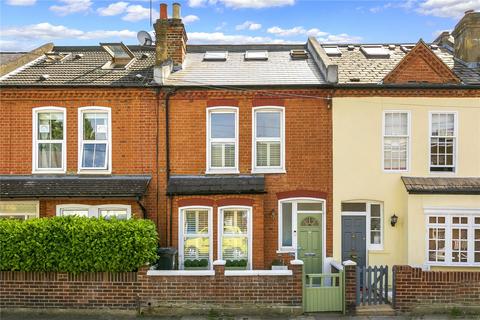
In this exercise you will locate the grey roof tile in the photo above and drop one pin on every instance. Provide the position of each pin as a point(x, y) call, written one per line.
point(27, 186)
point(215, 184)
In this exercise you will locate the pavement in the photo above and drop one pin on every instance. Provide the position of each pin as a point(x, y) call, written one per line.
point(105, 315)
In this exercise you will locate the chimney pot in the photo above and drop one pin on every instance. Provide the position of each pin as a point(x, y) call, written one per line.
point(163, 11)
point(176, 11)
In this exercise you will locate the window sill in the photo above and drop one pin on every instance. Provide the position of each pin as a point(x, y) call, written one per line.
point(48, 172)
point(234, 171)
point(86, 172)
point(280, 251)
point(267, 170)
point(375, 248)
point(395, 171)
point(453, 265)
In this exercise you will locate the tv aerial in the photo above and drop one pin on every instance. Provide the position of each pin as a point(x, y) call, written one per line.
point(144, 38)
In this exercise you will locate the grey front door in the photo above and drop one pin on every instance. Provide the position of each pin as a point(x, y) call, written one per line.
point(354, 239)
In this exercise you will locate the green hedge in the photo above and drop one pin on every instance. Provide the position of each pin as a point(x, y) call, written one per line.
point(76, 244)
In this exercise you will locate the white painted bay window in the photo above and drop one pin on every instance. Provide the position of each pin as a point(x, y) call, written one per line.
point(396, 142)
point(108, 211)
point(235, 236)
point(195, 237)
point(453, 238)
point(94, 136)
point(443, 141)
point(21, 210)
point(222, 140)
point(49, 140)
point(268, 139)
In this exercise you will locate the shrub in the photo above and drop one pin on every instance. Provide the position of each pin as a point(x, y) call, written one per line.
point(76, 244)
point(236, 263)
point(197, 263)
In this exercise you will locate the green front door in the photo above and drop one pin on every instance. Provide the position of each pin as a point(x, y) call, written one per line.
point(309, 239)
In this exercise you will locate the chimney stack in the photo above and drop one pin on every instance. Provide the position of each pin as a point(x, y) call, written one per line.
point(171, 37)
point(467, 38)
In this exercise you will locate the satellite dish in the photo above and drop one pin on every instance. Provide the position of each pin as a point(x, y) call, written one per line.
point(144, 38)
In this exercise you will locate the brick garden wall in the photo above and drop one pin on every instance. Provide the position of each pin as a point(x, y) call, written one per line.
point(430, 289)
point(134, 290)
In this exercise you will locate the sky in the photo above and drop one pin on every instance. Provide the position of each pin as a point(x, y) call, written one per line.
point(27, 24)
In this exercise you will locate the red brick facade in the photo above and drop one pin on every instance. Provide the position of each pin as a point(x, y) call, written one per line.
point(135, 114)
point(308, 145)
point(440, 289)
point(137, 290)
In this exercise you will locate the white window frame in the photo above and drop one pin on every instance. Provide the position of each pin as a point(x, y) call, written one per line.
point(218, 170)
point(455, 141)
point(36, 141)
point(35, 215)
point(367, 214)
point(108, 168)
point(181, 237)
point(94, 211)
point(295, 212)
point(449, 213)
point(249, 231)
point(409, 134)
point(281, 139)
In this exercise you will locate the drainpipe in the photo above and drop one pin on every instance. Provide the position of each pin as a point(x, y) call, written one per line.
point(142, 207)
point(169, 92)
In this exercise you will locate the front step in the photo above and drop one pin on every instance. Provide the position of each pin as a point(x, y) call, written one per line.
point(375, 310)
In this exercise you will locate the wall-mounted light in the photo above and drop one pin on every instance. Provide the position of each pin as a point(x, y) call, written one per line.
point(393, 220)
point(273, 213)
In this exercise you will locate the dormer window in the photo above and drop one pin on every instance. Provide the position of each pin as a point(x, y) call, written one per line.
point(215, 56)
point(121, 56)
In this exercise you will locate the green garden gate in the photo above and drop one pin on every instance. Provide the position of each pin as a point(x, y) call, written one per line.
point(324, 292)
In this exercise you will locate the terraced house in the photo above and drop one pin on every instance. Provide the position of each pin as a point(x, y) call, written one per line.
point(256, 153)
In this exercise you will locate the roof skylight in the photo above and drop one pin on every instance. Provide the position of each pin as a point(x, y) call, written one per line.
point(256, 55)
point(333, 51)
point(215, 56)
point(407, 47)
point(298, 54)
point(119, 53)
point(375, 51)
point(54, 56)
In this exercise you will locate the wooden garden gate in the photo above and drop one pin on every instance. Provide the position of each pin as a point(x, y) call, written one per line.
point(324, 292)
point(372, 285)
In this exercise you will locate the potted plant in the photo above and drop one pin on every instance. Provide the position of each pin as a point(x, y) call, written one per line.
point(236, 264)
point(196, 264)
point(279, 265)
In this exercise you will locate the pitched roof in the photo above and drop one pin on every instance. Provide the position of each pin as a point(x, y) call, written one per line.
point(83, 67)
point(279, 69)
point(114, 186)
point(355, 67)
point(211, 184)
point(441, 185)
point(421, 57)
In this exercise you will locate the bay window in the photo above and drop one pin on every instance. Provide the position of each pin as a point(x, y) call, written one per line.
point(396, 140)
point(453, 238)
point(268, 139)
point(49, 140)
point(94, 136)
point(108, 211)
point(235, 236)
point(21, 210)
point(222, 140)
point(443, 142)
point(195, 237)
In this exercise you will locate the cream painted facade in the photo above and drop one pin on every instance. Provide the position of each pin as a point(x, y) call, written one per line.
point(358, 172)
